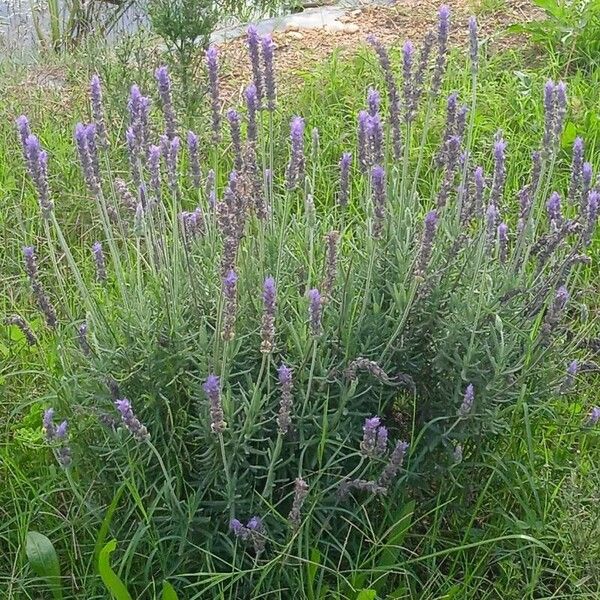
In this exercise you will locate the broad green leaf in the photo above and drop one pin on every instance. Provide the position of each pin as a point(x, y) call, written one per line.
point(110, 579)
point(366, 595)
point(44, 561)
point(569, 135)
point(169, 592)
point(313, 565)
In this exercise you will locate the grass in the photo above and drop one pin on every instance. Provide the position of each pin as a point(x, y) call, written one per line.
point(518, 518)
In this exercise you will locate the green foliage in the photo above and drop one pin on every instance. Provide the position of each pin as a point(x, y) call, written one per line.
point(571, 31)
point(110, 579)
point(504, 521)
point(44, 561)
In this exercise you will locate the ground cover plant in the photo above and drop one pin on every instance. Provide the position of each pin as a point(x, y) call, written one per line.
point(264, 375)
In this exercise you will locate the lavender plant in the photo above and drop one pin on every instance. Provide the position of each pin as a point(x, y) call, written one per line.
point(284, 382)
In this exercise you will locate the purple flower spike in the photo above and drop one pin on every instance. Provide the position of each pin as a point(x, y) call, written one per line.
point(230, 307)
point(430, 225)
point(373, 101)
point(268, 51)
point(554, 210)
point(131, 422)
point(549, 117)
point(421, 70)
point(369, 441)
point(39, 294)
point(154, 154)
point(379, 200)
point(236, 138)
point(212, 65)
point(253, 43)
point(442, 47)
point(408, 84)
point(473, 45)
point(192, 143)
point(24, 132)
point(98, 111)
point(593, 416)
point(576, 172)
point(212, 389)
point(235, 525)
point(503, 242)
point(363, 147)
point(375, 135)
point(37, 165)
point(252, 106)
point(295, 168)
point(268, 318)
point(499, 172)
point(314, 312)
point(382, 441)
point(300, 494)
point(561, 109)
point(164, 91)
point(57, 435)
point(85, 158)
point(284, 418)
point(100, 262)
point(554, 313)
point(345, 163)
point(467, 404)
point(48, 424)
point(394, 465)
point(591, 216)
point(569, 380)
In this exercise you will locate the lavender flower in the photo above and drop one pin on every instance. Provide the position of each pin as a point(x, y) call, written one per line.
point(268, 50)
point(236, 138)
point(473, 45)
point(394, 465)
point(91, 136)
point(424, 256)
point(345, 163)
point(479, 180)
point(373, 101)
point(375, 135)
point(378, 198)
point(98, 111)
point(210, 189)
point(561, 108)
point(192, 143)
point(591, 217)
point(256, 534)
point(98, 254)
point(24, 132)
point(82, 339)
point(467, 404)
point(154, 154)
point(212, 389)
point(554, 211)
point(331, 260)
point(131, 422)
point(554, 313)
point(39, 294)
point(421, 70)
point(382, 440)
point(171, 157)
point(85, 158)
point(213, 78)
point(268, 317)
point(253, 43)
point(134, 156)
point(24, 327)
point(569, 379)
point(300, 494)
point(37, 166)
point(295, 168)
point(363, 143)
point(164, 91)
point(408, 84)
point(499, 172)
point(57, 434)
point(503, 242)
point(549, 117)
point(576, 171)
point(393, 97)
point(369, 441)
point(442, 47)
point(284, 418)
point(364, 364)
point(491, 221)
point(252, 108)
point(451, 158)
point(239, 530)
point(314, 312)
point(230, 308)
point(593, 416)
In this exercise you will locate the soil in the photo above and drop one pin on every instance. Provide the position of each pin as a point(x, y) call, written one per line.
point(301, 49)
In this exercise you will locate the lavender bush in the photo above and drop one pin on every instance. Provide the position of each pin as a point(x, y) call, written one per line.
point(254, 386)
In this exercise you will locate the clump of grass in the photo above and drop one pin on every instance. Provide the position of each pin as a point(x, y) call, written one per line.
point(272, 375)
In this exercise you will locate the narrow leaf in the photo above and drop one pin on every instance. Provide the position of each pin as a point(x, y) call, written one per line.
point(110, 579)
